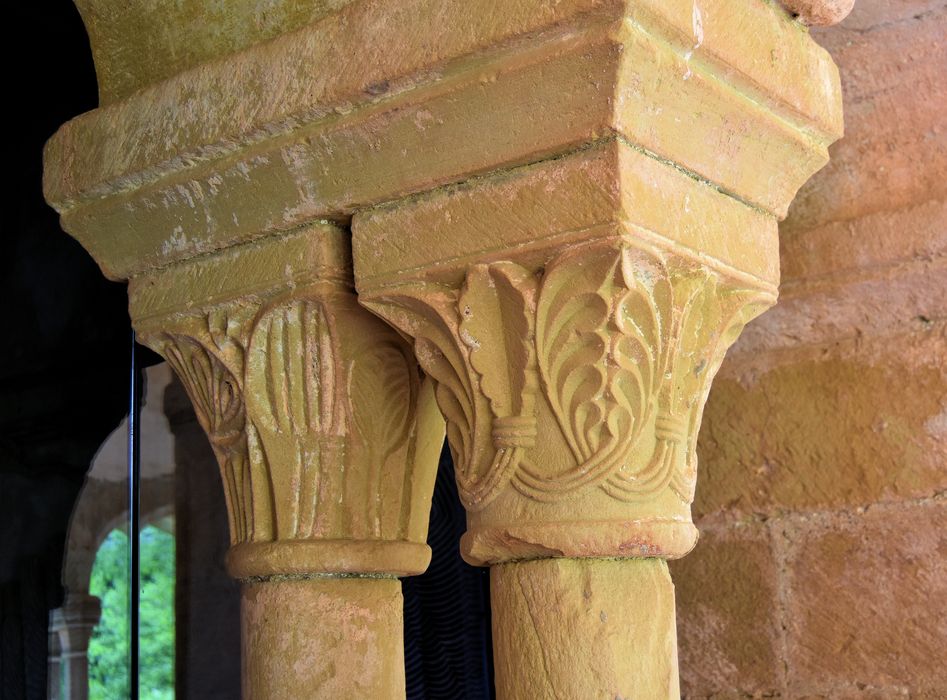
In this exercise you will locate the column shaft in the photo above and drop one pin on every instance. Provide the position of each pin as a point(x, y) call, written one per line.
point(570, 278)
point(74, 622)
point(75, 674)
point(54, 677)
point(323, 638)
point(327, 443)
point(584, 628)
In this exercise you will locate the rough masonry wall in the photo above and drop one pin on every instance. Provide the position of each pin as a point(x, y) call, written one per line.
point(822, 566)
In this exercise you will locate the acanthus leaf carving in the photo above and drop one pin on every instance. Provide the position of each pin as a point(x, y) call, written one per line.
point(716, 318)
point(216, 395)
point(623, 340)
point(601, 334)
point(478, 346)
point(430, 316)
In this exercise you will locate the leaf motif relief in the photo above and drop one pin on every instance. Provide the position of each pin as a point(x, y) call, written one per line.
point(383, 389)
point(601, 339)
point(210, 386)
point(699, 319)
point(572, 344)
point(497, 307)
point(690, 313)
point(219, 408)
point(429, 316)
point(732, 309)
point(292, 369)
point(435, 318)
point(496, 310)
point(227, 328)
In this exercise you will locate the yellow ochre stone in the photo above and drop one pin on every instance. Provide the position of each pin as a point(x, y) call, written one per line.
point(565, 212)
point(270, 138)
point(584, 628)
point(328, 442)
point(323, 638)
point(324, 430)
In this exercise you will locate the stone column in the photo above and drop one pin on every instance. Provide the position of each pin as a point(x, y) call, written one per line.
point(569, 208)
point(572, 358)
point(54, 673)
point(74, 622)
point(327, 441)
point(572, 314)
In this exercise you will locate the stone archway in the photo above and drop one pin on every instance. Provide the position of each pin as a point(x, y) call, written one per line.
point(101, 508)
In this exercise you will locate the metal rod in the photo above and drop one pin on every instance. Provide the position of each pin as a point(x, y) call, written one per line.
point(134, 517)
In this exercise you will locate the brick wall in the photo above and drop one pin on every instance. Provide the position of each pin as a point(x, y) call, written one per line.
point(822, 568)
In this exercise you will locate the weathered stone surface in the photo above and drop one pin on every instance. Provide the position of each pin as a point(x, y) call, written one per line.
point(140, 43)
point(867, 598)
point(781, 436)
point(554, 456)
point(619, 613)
point(327, 442)
point(893, 300)
point(569, 208)
point(572, 313)
point(819, 12)
point(323, 638)
point(874, 244)
point(271, 140)
point(863, 249)
point(326, 438)
point(728, 614)
point(860, 691)
point(776, 64)
point(869, 14)
point(532, 209)
point(894, 153)
point(833, 402)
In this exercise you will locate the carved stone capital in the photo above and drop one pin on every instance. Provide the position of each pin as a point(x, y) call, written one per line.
point(572, 341)
point(326, 436)
point(74, 622)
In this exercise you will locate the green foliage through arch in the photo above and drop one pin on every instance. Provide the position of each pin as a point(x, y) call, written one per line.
point(108, 648)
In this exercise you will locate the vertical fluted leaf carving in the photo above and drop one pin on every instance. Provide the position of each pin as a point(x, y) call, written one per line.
point(327, 440)
point(292, 391)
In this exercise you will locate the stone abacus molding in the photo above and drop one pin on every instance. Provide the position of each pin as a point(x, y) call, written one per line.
point(326, 438)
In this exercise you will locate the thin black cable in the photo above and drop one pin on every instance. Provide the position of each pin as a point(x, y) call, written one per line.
point(134, 517)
